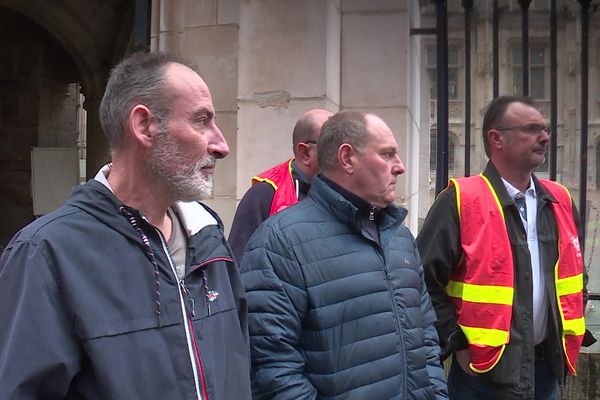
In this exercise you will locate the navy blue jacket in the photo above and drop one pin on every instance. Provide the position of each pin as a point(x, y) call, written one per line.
point(90, 307)
point(335, 313)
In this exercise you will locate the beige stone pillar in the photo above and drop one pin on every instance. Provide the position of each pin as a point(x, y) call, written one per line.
point(97, 151)
point(378, 75)
point(288, 63)
point(206, 32)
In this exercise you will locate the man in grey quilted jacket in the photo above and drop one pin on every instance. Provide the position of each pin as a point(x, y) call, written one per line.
point(337, 301)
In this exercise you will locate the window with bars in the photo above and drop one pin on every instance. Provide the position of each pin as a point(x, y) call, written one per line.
point(538, 65)
point(431, 60)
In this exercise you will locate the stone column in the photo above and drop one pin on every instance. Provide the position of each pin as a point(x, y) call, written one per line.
point(206, 32)
point(378, 74)
point(97, 151)
point(288, 63)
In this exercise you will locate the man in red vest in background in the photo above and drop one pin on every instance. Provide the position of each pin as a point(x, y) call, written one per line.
point(504, 268)
point(281, 186)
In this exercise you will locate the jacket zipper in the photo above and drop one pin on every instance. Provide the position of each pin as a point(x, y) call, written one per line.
point(372, 212)
point(189, 334)
point(396, 315)
point(184, 292)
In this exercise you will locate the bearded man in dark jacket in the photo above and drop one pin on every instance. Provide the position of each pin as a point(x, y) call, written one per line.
point(129, 291)
point(338, 306)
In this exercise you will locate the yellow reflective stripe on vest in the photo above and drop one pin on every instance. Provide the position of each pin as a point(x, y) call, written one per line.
point(487, 181)
point(574, 326)
point(495, 196)
point(570, 285)
point(485, 336)
point(266, 180)
point(457, 192)
point(486, 294)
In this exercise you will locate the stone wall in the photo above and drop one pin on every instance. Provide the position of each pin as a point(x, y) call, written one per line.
point(268, 61)
point(206, 31)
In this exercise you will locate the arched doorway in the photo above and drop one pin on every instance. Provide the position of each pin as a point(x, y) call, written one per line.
point(39, 92)
point(51, 53)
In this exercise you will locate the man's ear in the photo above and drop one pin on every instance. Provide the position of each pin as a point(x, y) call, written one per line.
point(142, 125)
point(495, 138)
point(346, 158)
point(302, 154)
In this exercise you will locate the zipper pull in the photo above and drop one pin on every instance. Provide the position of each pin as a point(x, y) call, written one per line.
point(207, 292)
point(372, 213)
point(190, 300)
point(193, 306)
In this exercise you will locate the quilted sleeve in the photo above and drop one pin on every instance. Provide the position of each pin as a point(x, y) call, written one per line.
point(434, 368)
point(277, 302)
point(39, 352)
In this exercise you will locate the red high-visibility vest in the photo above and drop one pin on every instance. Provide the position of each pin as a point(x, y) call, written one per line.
point(482, 285)
point(280, 178)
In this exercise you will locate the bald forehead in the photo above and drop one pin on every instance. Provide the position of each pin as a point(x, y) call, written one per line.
point(314, 120)
point(320, 116)
point(181, 76)
point(374, 122)
point(520, 111)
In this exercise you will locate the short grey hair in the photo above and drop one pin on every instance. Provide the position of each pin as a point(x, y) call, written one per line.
point(494, 113)
point(138, 79)
point(344, 127)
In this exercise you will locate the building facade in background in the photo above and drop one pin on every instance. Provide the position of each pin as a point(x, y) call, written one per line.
point(268, 61)
point(510, 73)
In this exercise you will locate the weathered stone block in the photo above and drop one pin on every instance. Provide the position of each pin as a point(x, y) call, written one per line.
point(283, 47)
point(228, 12)
point(214, 49)
point(374, 60)
point(224, 178)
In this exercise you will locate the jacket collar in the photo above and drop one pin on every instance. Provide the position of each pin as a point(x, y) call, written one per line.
point(194, 216)
point(300, 179)
point(493, 175)
point(335, 203)
point(363, 206)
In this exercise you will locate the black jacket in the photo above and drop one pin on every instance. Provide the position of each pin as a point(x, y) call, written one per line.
point(439, 244)
point(90, 310)
point(255, 207)
point(335, 311)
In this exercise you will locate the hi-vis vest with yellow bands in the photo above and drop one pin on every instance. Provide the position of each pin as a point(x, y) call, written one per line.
point(482, 285)
point(280, 177)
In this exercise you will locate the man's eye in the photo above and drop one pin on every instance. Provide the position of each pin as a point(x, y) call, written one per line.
point(533, 128)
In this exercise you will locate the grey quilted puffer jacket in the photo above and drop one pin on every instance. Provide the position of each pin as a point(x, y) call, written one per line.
point(335, 314)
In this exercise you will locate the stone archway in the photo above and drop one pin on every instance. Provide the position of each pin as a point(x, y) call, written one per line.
point(51, 52)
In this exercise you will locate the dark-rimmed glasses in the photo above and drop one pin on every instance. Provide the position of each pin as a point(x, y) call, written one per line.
point(531, 129)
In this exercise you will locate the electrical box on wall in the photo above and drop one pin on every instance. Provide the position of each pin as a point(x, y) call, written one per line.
point(54, 172)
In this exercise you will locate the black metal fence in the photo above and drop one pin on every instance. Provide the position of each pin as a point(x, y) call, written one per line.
point(441, 32)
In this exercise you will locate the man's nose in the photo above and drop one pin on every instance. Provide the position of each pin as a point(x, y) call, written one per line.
point(398, 168)
point(218, 146)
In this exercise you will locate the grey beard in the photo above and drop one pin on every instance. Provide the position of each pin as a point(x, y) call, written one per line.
point(175, 179)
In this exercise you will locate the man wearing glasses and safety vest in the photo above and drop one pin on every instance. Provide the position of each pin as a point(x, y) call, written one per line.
point(504, 268)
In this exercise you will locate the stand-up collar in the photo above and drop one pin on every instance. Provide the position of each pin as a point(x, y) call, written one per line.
point(495, 179)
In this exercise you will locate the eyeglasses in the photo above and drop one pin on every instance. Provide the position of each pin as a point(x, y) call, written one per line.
point(531, 129)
